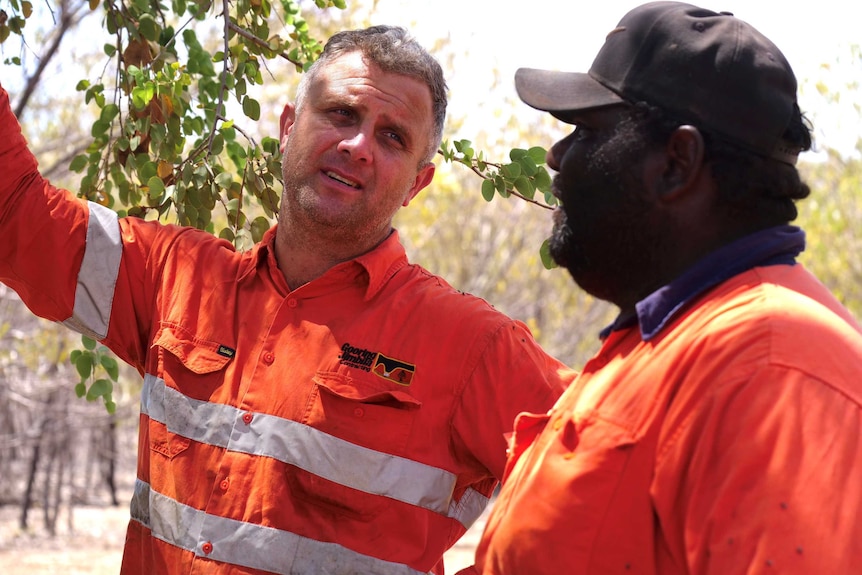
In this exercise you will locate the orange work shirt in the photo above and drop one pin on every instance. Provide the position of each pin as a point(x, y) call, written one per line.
point(728, 443)
point(353, 425)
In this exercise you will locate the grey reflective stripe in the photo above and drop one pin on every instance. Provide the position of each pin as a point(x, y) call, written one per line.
point(97, 277)
point(312, 450)
point(248, 544)
point(469, 508)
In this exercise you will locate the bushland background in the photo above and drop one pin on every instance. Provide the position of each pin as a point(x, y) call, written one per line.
point(67, 464)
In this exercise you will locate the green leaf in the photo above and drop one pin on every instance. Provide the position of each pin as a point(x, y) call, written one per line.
point(270, 145)
point(500, 186)
point(88, 342)
point(147, 168)
point(79, 163)
point(111, 367)
point(525, 187)
point(528, 166)
point(224, 180)
point(511, 171)
point(109, 112)
point(80, 389)
point(251, 108)
point(488, 190)
point(545, 254)
point(99, 128)
point(156, 187)
point(99, 388)
point(148, 28)
point(259, 226)
point(538, 154)
point(84, 365)
point(218, 145)
point(542, 180)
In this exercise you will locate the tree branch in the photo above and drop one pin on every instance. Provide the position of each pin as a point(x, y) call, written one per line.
point(68, 18)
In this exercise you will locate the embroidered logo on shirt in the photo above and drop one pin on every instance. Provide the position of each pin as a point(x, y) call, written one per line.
point(394, 370)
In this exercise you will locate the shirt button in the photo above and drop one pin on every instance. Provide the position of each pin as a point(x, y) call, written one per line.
point(558, 424)
point(225, 483)
point(247, 417)
point(268, 358)
point(207, 548)
point(292, 303)
point(358, 412)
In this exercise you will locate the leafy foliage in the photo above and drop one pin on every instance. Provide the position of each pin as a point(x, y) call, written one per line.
point(163, 145)
point(89, 362)
point(832, 219)
point(522, 177)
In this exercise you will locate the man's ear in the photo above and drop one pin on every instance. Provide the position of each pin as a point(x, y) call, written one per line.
point(285, 122)
point(423, 178)
point(683, 163)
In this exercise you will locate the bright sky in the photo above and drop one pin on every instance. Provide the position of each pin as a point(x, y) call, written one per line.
point(566, 34)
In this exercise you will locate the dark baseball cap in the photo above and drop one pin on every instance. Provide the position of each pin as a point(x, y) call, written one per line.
point(706, 68)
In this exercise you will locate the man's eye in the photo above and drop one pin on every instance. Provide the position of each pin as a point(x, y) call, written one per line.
point(394, 136)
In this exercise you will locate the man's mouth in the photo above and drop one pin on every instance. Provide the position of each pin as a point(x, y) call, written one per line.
point(343, 180)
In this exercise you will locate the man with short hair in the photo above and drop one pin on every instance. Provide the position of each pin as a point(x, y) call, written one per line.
point(717, 430)
point(317, 404)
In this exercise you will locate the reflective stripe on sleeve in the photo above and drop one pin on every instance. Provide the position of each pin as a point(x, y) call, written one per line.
point(319, 453)
point(97, 277)
point(248, 544)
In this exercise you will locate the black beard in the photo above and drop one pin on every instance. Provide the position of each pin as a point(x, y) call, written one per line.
point(608, 233)
point(561, 242)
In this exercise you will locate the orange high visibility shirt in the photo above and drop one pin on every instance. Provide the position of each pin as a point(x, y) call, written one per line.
point(729, 443)
point(353, 425)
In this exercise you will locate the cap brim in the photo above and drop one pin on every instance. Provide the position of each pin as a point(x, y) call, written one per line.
point(562, 93)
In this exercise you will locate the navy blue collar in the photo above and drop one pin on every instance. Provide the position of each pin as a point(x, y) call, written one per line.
point(773, 246)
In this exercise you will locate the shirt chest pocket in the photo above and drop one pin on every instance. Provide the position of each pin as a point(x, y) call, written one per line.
point(372, 422)
point(362, 410)
point(597, 473)
point(188, 372)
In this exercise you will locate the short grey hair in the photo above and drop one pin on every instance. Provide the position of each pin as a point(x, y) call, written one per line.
point(393, 50)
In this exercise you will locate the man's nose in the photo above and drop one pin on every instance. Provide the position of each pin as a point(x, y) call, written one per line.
point(551, 157)
point(358, 145)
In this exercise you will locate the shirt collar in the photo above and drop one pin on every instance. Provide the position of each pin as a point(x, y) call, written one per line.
point(772, 246)
point(375, 266)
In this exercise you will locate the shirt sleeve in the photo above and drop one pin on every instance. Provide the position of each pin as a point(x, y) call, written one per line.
point(44, 229)
point(768, 476)
point(70, 260)
point(514, 374)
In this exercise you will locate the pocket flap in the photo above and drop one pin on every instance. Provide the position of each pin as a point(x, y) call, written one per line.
point(199, 356)
point(364, 390)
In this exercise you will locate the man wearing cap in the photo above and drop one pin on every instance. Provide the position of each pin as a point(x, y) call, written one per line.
point(719, 427)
